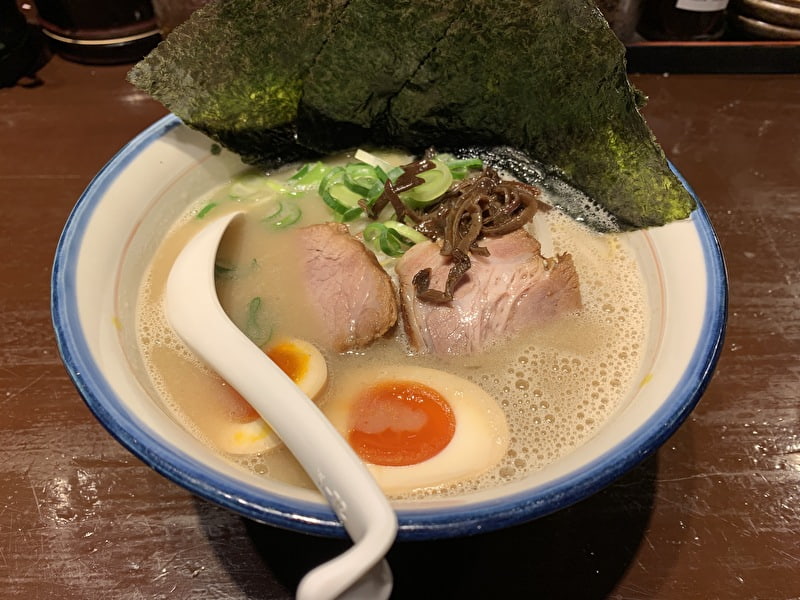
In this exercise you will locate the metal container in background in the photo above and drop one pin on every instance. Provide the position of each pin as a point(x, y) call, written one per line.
point(99, 31)
point(766, 19)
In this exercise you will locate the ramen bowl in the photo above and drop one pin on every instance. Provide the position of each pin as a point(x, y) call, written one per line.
point(116, 227)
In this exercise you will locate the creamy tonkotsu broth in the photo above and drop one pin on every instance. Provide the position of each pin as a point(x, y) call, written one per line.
point(555, 384)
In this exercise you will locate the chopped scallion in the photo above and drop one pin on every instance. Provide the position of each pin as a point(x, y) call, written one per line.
point(285, 214)
point(205, 210)
point(255, 328)
point(460, 167)
point(436, 182)
point(309, 176)
point(394, 173)
point(280, 188)
point(391, 238)
point(343, 201)
point(407, 232)
point(360, 178)
point(223, 270)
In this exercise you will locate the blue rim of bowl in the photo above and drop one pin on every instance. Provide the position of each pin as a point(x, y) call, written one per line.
point(418, 524)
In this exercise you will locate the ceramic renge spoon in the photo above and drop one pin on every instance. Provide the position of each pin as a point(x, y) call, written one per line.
point(194, 311)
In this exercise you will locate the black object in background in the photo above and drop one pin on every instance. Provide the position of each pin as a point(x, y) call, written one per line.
point(22, 51)
point(682, 20)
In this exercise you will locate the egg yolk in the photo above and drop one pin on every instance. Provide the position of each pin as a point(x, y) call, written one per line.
point(400, 423)
point(290, 359)
point(238, 408)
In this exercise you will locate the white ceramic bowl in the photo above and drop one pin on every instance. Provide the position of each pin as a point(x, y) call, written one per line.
point(117, 225)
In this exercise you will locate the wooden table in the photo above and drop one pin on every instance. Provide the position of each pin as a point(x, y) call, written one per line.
point(713, 515)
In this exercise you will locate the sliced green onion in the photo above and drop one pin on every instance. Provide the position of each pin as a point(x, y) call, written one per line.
point(274, 210)
point(406, 231)
point(460, 167)
point(360, 178)
point(254, 328)
point(308, 176)
point(224, 271)
point(382, 175)
point(289, 215)
point(394, 173)
point(372, 232)
point(436, 183)
point(375, 191)
point(343, 201)
point(378, 236)
point(365, 181)
point(391, 238)
point(205, 210)
point(391, 244)
point(285, 214)
point(278, 187)
point(352, 213)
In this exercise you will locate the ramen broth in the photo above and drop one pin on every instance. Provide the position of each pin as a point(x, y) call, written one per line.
point(557, 384)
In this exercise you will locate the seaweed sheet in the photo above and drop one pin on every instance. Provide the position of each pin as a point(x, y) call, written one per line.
point(378, 56)
point(234, 70)
point(545, 76)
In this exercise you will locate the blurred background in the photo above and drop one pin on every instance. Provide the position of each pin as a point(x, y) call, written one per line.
point(660, 35)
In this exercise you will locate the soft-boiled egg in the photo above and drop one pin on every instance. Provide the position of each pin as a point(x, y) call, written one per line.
point(245, 432)
point(417, 427)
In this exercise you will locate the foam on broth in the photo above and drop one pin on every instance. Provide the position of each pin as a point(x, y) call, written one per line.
point(557, 384)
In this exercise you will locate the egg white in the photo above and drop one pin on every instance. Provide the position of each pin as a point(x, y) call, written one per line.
point(481, 436)
point(257, 436)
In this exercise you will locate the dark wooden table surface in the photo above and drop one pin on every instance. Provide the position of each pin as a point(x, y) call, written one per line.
point(714, 514)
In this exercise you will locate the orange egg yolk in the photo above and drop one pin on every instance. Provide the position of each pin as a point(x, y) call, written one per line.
point(239, 409)
point(289, 358)
point(400, 423)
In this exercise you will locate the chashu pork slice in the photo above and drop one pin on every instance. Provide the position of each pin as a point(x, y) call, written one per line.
point(501, 294)
point(353, 296)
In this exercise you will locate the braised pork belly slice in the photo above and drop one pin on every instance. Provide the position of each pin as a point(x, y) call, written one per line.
point(353, 296)
point(512, 288)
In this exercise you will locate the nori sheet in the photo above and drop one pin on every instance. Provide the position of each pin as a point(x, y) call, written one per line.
point(354, 76)
point(277, 80)
point(234, 70)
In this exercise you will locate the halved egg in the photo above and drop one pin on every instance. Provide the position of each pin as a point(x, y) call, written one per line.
point(302, 362)
point(245, 432)
point(417, 427)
